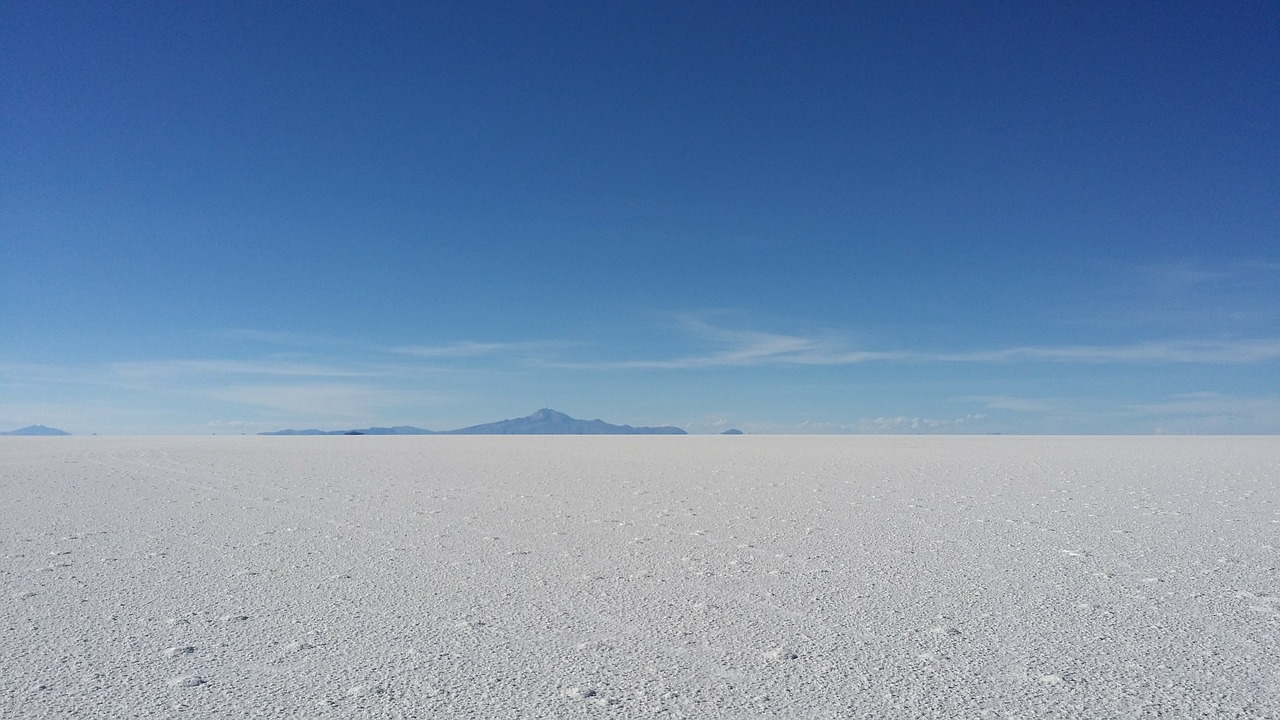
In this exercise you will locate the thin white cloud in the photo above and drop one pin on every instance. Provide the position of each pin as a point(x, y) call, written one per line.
point(916, 424)
point(737, 348)
point(1216, 404)
point(1006, 402)
point(749, 348)
point(460, 349)
point(176, 368)
point(322, 401)
point(1182, 274)
point(885, 425)
point(470, 349)
point(279, 337)
point(37, 374)
point(1187, 273)
point(1210, 412)
point(1170, 352)
point(740, 348)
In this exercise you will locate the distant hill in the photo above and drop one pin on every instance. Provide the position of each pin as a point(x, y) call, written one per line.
point(312, 431)
point(551, 422)
point(36, 430)
point(543, 422)
point(398, 430)
point(732, 431)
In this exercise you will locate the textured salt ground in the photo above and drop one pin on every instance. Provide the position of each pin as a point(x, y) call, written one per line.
point(640, 577)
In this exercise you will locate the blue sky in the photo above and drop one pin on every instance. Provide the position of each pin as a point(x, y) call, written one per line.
point(839, 217)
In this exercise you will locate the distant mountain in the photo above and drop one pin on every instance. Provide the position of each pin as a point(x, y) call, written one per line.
point(732, 431)
point(398, 430)
point(291, 431)
point(36, 430)
point(551, 422)
point(543, 422)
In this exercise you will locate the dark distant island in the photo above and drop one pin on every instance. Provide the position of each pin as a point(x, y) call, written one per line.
point(543, 422)
point(732, 431)
point(36, 431)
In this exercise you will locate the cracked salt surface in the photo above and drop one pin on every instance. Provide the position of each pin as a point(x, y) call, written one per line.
point(628, 577)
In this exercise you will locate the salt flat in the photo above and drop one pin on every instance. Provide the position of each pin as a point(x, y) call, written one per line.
point(619, 577)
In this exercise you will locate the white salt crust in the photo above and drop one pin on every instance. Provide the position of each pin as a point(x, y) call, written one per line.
point(634, 577)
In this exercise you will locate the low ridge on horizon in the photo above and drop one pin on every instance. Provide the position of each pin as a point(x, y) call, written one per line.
point(36, 431)
point(543, 422)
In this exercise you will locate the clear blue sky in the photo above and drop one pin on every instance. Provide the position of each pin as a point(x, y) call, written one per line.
point(1020, 217)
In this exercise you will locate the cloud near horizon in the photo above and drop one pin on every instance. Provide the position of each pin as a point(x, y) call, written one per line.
point(742, 348)
point(1218, 408)
point(354, 382)
point(472, 349)
point(263, 367)
point(738, 348)
point(323, 401)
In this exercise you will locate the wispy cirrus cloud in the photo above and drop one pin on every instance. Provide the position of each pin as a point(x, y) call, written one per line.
point(1189, 273)
point(1007, 402)
point(740, 348)
point(1192, 352)
point(261, 393)
point(1216, 404)
point(893, 425)
point(471, 349)
point(325, 401)
point(285, 338)
point(884, 425)
point(1210, 412)
point(176, 368)
point(461, 349)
